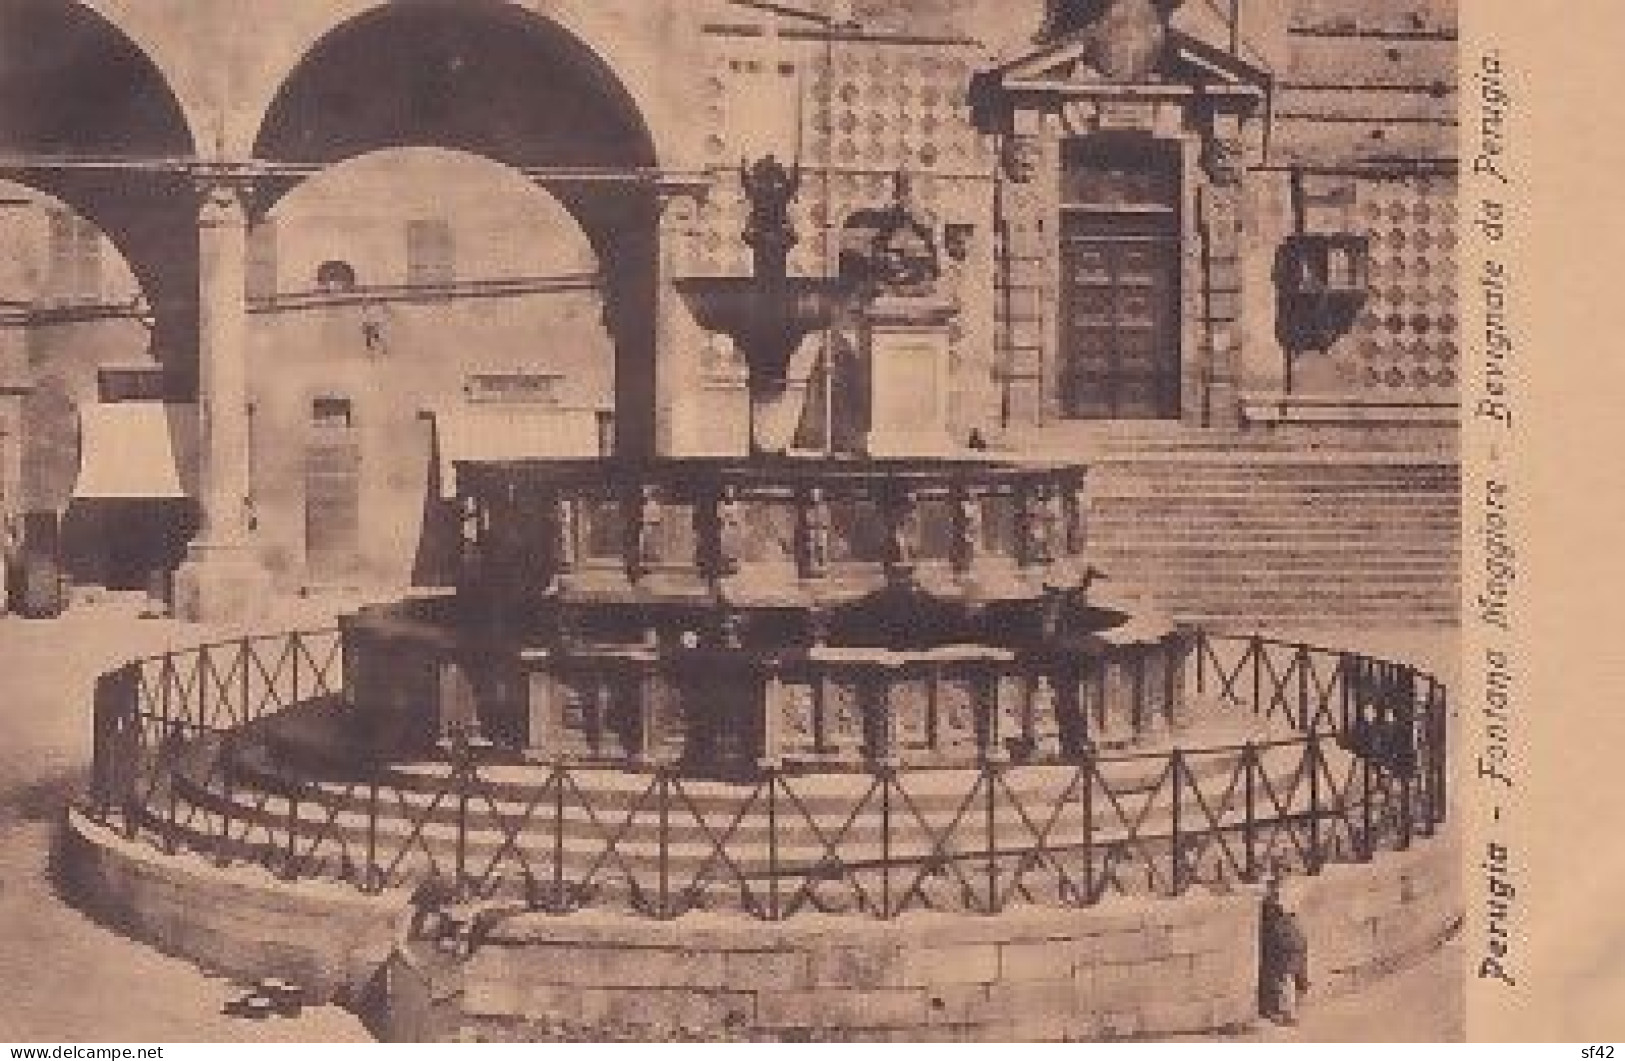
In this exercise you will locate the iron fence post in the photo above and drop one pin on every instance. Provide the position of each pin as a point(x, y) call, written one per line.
point(885, 841)
point(1249, 827)
point(371, 882)
point(1256, 649)
point(1306, 714)
point(1316, 857)
point(1087, 768)
point(1368, 839)
point(662, 796)
point(245, 654)
point(462, 832)
point(560, 904)
point(1440, 753)
point(171, 816)
point(773, 911)
point(1176, 770)
point(1345, 671)
point(989, 777)
point(222, 855)
point(290, 870)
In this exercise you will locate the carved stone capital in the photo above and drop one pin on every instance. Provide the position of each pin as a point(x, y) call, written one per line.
point(228, 196)
point(680, 195)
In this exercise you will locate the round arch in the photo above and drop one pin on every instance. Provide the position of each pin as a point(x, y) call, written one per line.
point(76, 86)
point(492, 79)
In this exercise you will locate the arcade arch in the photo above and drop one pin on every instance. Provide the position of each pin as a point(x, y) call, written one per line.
point(495, 80)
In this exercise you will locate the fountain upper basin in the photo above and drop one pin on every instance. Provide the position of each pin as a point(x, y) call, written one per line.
point(766, 318)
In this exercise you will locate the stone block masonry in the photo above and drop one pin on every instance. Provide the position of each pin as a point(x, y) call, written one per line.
point(1126, 968)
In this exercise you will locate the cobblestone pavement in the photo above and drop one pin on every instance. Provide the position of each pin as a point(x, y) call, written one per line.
point(70, 980)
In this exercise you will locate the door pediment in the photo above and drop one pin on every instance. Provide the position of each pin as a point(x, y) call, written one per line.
point(1071, 68)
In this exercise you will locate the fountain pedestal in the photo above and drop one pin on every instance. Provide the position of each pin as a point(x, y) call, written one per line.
point(909, 372)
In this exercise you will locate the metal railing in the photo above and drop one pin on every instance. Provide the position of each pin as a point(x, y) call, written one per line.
point(1360, 769)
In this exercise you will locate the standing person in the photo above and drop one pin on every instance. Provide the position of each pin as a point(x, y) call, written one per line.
point(1283, 960)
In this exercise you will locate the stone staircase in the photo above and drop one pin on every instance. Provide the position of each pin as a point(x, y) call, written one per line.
point(1244, 533)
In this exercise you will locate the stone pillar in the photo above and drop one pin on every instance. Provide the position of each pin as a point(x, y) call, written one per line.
point(15, 297)
point(222, 579)
point(679, 340)
point(1027, 195)
point(1221, 225)
point(13, 388)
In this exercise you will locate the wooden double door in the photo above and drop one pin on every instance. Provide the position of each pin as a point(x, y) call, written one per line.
point(1120, 282)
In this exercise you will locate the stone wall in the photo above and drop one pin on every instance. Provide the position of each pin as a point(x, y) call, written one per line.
point(239, 922)
point(1118, 970)
point(1365, 921)
point(1122, 969)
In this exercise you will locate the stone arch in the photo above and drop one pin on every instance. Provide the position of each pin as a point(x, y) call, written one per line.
point(634, 45)
point(493, 79)
point(74, 84)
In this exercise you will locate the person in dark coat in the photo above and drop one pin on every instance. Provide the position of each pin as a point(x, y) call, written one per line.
point(1283, 960)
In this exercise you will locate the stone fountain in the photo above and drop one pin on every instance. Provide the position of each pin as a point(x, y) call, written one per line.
point(770, 313)
point(763, 747)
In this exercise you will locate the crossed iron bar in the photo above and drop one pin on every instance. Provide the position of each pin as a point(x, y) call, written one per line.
point(1362, 770)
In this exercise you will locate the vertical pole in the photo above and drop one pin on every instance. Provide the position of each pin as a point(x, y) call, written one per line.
point(171, 826)
point(1176, 772)
point(1249, 826)
point(371, 882)
point(1367, 841)
point(462, 827)
point(991, 815)
point(1307, 712)
point(1256, 647)
point(663, 795)
point(1345, 684)
point(558, 899)
point(1440, 753)
point(885, 845)
point(292, 646)
point(1313, 749)
point(246, 655)
point(289, 869)
point(222, 856)
point(773, 911)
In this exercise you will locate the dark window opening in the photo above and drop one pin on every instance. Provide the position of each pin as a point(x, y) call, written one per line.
point(335, 276)
point(430, 257)
point(332, 413)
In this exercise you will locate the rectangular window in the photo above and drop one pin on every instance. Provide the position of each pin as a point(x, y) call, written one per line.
point(331, 413)
point(430, 256)
point(133, 383)
point(74, 272)
point(535, 388)
point(87, 255)
point(61, 279)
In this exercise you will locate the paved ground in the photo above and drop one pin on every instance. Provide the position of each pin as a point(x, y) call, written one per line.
point(68, 979)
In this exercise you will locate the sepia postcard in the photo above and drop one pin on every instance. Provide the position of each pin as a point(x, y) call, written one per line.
point(665, 521)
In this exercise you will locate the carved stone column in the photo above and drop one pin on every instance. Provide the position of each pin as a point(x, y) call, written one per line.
point(222, 578)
